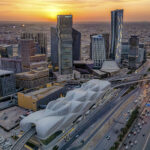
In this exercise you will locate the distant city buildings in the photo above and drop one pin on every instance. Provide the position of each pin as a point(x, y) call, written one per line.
point(39, 38)
point(98, 50)
point(65, 41)
point(7, 83)
point(116, 34)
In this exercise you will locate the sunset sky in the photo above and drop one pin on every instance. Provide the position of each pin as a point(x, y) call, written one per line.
point(82, 10)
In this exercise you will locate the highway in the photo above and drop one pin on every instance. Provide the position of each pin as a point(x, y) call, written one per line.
point(101, 113)
point(21, 141)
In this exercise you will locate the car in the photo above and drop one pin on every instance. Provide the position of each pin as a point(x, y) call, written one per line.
point(140, 127)
point(127, 147)
point(108, 137)
point(134, 133)
point(77, 136)
point(135, 142)
point(131, 144)
point(129, 135)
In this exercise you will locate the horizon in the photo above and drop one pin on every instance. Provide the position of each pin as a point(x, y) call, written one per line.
point(82, 10)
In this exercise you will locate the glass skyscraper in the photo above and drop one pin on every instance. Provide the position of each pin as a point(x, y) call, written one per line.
point(116, 34)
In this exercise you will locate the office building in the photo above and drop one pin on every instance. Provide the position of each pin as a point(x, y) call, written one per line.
point(98, 50)
point(76, 46)
point(116, 34)
point(7, 83)
point(65, 40)
point(133, 51)
point(54, 47)
point(106, 38)
point(39, 38)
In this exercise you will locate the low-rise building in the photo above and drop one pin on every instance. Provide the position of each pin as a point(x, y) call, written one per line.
point(33, 78)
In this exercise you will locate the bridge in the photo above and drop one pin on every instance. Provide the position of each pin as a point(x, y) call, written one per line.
point(22, 141)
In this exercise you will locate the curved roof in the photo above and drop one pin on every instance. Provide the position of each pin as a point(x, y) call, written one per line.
point(63, 111)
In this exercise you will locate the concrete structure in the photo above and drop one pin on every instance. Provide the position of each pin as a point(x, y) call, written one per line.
point(6, 50)
point(7, 83)
point(40, 38)
point(116, 34)
point(61, 113)
point(110, 67)
point(11, 64)
point(76, 46)
point(98, 50)
point(64, 28)
point(33, 78)
point(106, 39)
point(38, 97)
point(133, 51)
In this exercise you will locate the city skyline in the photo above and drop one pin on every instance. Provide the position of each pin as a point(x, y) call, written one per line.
point(47, 10)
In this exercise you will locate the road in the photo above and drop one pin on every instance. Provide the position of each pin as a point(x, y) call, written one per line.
point(21, 141)
point(100, 114)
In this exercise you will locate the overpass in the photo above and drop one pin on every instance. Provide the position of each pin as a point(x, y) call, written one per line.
point(131, 82)
point(22, 141)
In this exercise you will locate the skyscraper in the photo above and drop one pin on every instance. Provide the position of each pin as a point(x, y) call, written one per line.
point(133, 51)
point(98, 50)
point(54, 47)
point(64, 28)
point(106, 38)
point(116, 34)
point(76, 35)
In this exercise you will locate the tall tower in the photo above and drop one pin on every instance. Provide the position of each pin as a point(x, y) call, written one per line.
point(116, 34)
point(98, 50)
point(64, 30)
point(133, 51)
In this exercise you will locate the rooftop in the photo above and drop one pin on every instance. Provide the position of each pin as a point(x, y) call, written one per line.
point(5, 72)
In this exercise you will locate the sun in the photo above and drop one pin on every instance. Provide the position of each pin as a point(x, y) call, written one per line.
point(53, 12)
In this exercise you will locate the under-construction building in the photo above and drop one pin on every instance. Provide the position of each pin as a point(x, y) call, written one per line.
point(7, 83)
point(31, 60)
point(32, 79)
point(39, 38)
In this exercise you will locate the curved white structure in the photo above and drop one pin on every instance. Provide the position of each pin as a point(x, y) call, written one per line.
point(60, 113)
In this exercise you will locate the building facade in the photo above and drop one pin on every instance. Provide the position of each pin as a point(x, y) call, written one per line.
point(64, 29)
point(116, 34)
point(98, 50)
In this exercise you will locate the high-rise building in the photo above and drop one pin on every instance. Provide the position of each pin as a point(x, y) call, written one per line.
point(6, 50)
point(76, 35)
point(39, 38)
point(76, 46)
point(54, 47)
point(64, 30)
point(133, 51)
point(106, 38)
point(98, 50)
point(116, 34)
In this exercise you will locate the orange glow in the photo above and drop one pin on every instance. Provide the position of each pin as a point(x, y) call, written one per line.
point(82, 10)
